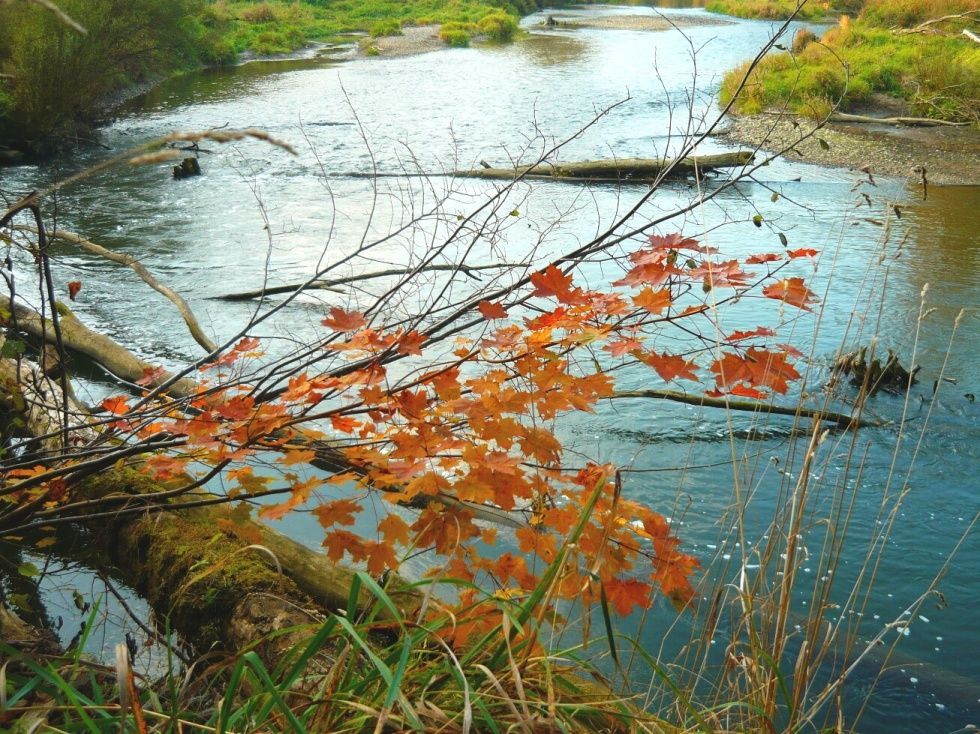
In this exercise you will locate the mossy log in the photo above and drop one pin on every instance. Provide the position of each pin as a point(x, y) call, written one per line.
point(877, 374)
point(220, 579)
point(615, 170)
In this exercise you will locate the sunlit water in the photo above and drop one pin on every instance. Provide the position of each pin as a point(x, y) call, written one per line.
point(450, 109)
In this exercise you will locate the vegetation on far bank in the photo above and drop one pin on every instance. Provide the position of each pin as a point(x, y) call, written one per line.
point(782, 9)
point(933, 69)
point(56, 83)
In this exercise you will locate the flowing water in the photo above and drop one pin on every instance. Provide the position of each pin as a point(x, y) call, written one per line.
point(257, 208)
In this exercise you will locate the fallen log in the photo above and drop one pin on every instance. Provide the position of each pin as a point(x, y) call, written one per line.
point(77, 337)
point(909, 121)
point(615, 170)
point(751, 406)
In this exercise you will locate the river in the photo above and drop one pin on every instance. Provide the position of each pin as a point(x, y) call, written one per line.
point(212, 235)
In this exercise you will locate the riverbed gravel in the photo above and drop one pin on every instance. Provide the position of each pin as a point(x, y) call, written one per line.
point(948, 155)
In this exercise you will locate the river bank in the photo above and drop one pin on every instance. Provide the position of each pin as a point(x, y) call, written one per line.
point(950, 156)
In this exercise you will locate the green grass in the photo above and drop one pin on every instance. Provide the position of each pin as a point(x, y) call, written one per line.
point(937, 74)
point(767, 9)
point(284, 26)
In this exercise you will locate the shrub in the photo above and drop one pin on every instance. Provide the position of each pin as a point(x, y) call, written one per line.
point(386, 28)
point(803, 38)
point(261, 13)
point(498, 25)
point(456, 34)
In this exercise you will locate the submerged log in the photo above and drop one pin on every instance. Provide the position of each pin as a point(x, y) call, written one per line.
point(616, 170)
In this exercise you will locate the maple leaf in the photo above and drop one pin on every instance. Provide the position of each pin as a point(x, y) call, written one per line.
point(736, 336)
point(803, 252)
point(653, 301)
point(297, 456)
point(541, 444)
point(792, 291)
point(151, 375)
point(344, 423)
point(338, 542)
point(116, 405)
point(341, 320)
point(758, 368)
point(337, 512)
point(624, 594)
point(411, 343)
point(765, 258)
point(74, 287)
point(491, 310)
point(669, 366)
point(622, 346)
point(380, 557)
point(553, 282)
point(394, 529)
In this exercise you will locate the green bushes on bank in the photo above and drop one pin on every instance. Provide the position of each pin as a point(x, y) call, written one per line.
point(58, 81)
point(937, 74)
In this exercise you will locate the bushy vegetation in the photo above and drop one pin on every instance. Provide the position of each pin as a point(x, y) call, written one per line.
point(58, 80)
point(782, 9)
point(937, 74)
point(498, 26)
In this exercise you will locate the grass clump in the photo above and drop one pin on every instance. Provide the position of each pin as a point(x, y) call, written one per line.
point(498, 26)
point(936, 74)
point(386, 28)
point(456, 35)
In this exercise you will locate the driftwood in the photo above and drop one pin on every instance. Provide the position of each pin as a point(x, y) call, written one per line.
point(909, 121)
point(615, 170)
point(752, 406)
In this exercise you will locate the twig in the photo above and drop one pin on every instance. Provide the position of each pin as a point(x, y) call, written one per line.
point(185, 311)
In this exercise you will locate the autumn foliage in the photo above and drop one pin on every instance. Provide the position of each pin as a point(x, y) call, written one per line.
point(463, 428)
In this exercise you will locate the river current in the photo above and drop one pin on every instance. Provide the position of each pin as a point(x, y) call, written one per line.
point(258, 209)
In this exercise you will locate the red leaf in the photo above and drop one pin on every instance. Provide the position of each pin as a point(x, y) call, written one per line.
point(341, 320)
point(803, 252)
point(74, 287)
point(792, 291)
point(491, 310)
point(151, 375)
point(748, 392)
point(766, 258)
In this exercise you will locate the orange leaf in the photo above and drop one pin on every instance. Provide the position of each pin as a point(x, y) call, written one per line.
point(653, 301)
point(627, 593)
point(74, 287)
point(669, 366)
point(394, 529)
point(553, 282)
point(792, 291)
point(338, 512)
point(492, 310)
point(411, 343)
point(341, 320)
point(803, 252)
point(116, 405)
point(344, 423)
point(765, 258)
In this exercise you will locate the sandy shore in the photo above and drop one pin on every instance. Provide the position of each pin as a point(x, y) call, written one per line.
point(634, 22)
point(949, 155)
point(413, 40)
